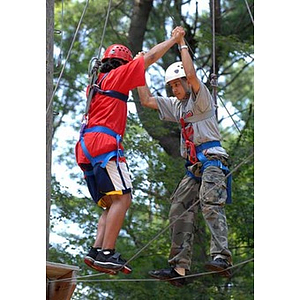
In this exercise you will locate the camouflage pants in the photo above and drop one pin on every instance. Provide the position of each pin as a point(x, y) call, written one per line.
point(212, 201)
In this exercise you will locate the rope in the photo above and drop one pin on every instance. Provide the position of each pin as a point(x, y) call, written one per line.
point(236, 126)
point(214, 77)
point(167, 227)
point(214, 80)
point(213, 38)
point(94, 74)
point(104, 28)
point(68, 55)
point(83, 278)
point(249, 11)
point(194, 204)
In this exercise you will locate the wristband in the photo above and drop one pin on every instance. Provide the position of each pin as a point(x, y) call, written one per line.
point(183, 47)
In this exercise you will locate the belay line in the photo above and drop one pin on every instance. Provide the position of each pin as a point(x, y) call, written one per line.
point(94, 75)
point(167, 227)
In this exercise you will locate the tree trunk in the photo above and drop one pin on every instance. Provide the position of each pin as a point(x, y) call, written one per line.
point(49, 117)
point(169, 140)
point(140, 15)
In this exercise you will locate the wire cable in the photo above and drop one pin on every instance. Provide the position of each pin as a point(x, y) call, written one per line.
point(94, 74)
point(194, 204)
point(68, 55)
point(84, 278)
point(168, 226)
point(249, 11)
point(229, 114)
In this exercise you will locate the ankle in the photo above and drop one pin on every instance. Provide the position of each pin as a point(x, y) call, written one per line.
point(97, 248)
point(108, 251)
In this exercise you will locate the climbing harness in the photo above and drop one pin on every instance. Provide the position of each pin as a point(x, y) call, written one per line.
point(105, 157)
point(195, 154)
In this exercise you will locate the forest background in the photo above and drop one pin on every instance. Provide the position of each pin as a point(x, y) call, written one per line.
point(152, 146)
point(149, 216)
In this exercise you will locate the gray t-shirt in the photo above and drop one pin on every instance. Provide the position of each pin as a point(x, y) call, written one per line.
point(191, 110)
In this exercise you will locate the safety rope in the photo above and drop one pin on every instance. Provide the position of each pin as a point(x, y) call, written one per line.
point(214, 77)
point(68, 55)
point(249, 11)
point(94, 75)
point(229, 114)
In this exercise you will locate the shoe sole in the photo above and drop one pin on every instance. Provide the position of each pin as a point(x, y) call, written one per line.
point(115, 268)
point(159, 277)
point(226, 273)
point(90, 262)
point(174, 282)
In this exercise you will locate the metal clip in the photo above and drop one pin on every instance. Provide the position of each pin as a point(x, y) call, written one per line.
point(214, 80)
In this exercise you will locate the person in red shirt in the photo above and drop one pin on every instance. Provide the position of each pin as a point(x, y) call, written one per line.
point(99, 151)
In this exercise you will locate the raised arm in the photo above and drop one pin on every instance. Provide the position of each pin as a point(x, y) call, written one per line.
point(187, 62)
point(146, 97)
point(160, 49)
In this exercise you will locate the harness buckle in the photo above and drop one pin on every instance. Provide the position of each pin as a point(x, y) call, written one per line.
point(84, 122)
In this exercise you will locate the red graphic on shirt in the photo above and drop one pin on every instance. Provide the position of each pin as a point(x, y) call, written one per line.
point(188, 114)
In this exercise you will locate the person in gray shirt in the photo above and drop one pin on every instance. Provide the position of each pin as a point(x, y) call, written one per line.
point(207, 170)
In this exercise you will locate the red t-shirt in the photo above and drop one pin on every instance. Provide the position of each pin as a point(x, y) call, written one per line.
point(110, 112)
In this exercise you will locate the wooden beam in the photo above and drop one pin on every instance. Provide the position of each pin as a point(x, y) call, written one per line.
point(60, 290)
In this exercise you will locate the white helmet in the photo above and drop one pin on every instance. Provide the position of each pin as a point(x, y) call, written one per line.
point(174, 71)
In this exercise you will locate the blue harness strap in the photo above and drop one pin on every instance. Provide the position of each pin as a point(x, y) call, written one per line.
point(105, 157)
point(216, 163)
point(207, 145)
point(110, 93)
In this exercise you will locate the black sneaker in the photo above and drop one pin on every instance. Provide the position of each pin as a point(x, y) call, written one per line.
point(219, 265)
point(112, 261)
point(167, 274)
point(89, 260)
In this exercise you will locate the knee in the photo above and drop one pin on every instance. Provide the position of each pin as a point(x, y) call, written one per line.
point(127, 200)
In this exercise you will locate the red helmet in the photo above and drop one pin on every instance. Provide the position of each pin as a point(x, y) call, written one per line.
point(117, 51)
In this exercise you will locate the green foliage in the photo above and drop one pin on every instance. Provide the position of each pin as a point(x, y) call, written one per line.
point(155, 174)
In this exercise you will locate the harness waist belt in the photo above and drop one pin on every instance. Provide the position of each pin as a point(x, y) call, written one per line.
point(216, 163)
point(105, 157)
point(207, 145)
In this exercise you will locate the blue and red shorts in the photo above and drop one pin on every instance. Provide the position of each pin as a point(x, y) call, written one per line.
point(114, 179)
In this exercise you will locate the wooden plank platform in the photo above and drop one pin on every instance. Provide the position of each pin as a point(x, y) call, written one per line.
point(61, 290)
